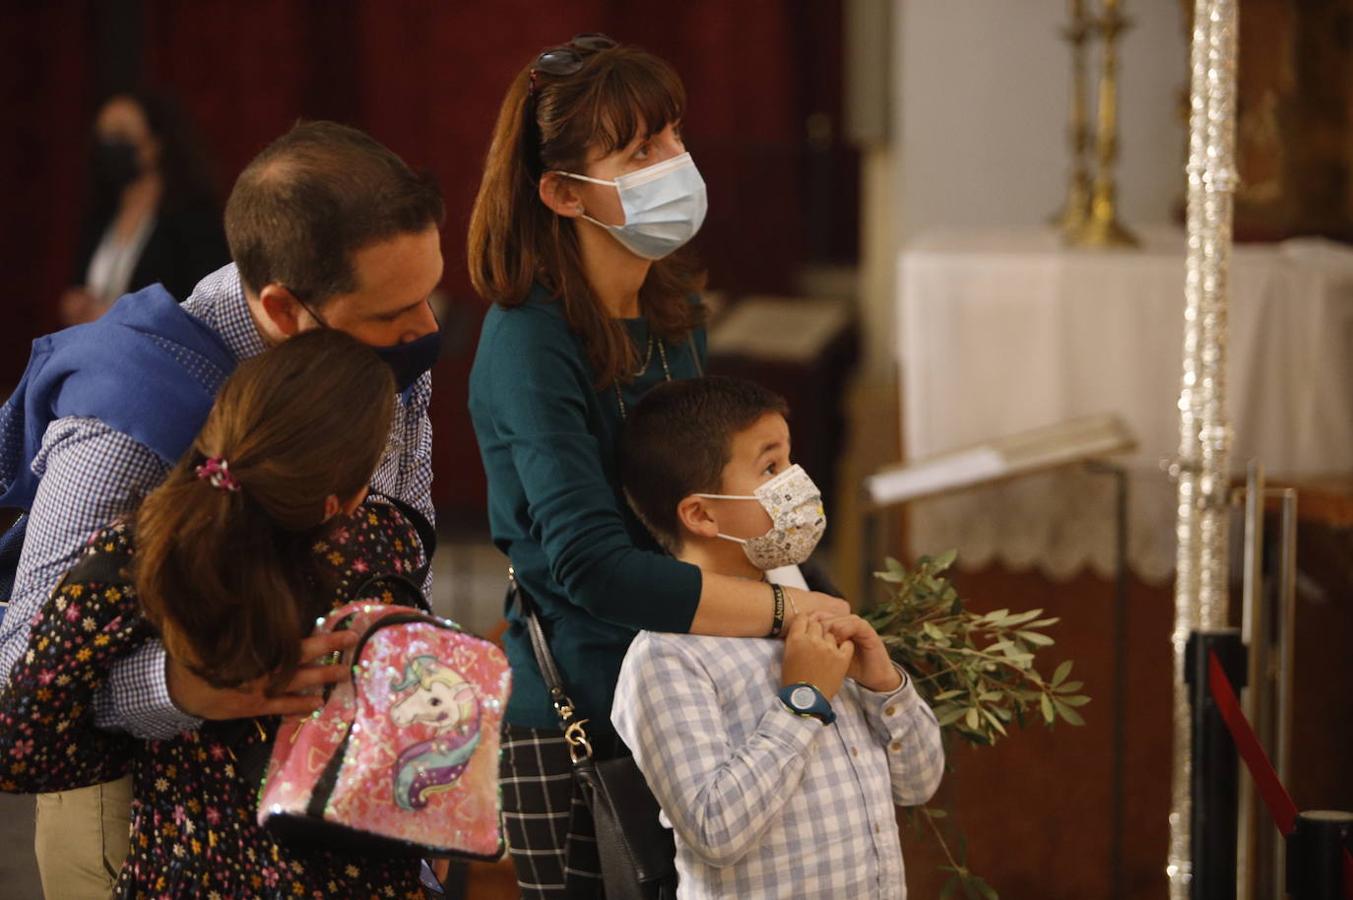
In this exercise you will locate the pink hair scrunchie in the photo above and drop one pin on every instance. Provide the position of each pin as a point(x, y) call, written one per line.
point(217, 471)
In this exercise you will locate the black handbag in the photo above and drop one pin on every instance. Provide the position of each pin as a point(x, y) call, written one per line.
point(638, 855)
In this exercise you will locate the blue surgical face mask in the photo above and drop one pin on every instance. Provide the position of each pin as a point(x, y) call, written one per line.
point(664, 206)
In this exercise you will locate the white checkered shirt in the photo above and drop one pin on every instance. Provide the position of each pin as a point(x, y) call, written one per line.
point(91, 475)
point(766, 803)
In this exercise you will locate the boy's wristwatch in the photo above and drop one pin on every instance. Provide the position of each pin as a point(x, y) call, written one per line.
point(802, 699)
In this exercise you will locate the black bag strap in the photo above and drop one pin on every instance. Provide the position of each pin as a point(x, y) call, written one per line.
point(634, 865)
point(407, 589)
point(427, 534)
point(579, 747)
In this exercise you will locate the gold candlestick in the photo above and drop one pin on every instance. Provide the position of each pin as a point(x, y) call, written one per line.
point(1102, 228)
point(1076, 210)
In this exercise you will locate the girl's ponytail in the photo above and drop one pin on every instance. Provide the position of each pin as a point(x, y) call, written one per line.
point(222, 547)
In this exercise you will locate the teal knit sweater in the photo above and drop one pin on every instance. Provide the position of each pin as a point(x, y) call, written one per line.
point(549, 443)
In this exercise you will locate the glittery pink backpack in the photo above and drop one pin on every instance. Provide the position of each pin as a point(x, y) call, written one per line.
point(403, 759)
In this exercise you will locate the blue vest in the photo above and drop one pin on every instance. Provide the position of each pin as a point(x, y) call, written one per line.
point(147, 369)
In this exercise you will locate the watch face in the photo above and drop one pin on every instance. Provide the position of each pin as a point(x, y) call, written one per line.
point(802, 698)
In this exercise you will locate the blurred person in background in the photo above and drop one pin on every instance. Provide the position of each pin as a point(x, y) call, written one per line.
point(153, 214)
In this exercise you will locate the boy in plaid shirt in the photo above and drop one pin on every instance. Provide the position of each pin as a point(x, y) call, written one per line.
point(776, 762)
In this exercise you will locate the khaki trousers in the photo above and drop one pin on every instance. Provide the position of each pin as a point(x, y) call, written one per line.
point(81, 840)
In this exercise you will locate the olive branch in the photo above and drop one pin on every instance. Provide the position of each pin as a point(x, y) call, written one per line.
point(977, 673)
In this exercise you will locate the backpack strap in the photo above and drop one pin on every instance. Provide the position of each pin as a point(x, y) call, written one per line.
point(427, 534)
point(406, 590)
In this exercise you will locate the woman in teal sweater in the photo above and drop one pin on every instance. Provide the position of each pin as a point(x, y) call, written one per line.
point(587, 197)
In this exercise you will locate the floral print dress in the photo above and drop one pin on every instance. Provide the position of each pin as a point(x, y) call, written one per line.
point(194, 827)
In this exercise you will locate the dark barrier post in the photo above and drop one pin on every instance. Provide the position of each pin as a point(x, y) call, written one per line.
point(1213, 781)
point(1315, 855)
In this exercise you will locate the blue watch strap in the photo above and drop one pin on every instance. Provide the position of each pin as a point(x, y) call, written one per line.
point(803, 699)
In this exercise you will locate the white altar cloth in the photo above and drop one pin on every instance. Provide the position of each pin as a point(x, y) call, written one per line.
point(1003, 331)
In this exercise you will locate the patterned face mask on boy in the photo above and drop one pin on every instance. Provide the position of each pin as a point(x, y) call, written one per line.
point(794, 504)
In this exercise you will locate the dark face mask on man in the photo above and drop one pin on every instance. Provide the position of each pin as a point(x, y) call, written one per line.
point(408, 361)
point(116, 163)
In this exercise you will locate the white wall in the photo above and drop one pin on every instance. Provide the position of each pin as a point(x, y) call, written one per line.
point(980, 112)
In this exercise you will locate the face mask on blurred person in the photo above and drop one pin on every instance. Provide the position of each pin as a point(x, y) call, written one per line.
point(115, 163)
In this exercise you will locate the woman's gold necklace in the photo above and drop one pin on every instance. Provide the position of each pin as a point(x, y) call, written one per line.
point(648, 358)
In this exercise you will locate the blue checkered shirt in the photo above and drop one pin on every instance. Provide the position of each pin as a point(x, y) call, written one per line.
point(91, 475)
point(766, 803)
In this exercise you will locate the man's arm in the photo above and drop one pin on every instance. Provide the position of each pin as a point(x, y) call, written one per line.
point(720, 797)
point(408, 474)
point(90, 476)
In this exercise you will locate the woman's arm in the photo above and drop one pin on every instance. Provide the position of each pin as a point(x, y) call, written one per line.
point(539, 411)
point(736, 607)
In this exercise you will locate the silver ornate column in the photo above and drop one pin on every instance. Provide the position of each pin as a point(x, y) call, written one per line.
point(1204, 434)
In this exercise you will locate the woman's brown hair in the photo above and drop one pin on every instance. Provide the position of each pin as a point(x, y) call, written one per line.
point(224, 573)
point(515, 240)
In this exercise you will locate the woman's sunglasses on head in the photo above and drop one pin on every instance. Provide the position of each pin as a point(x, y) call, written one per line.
point(568, 58)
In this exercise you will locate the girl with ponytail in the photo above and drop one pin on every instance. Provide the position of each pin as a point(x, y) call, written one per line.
point(223, 562)
point(263, 526)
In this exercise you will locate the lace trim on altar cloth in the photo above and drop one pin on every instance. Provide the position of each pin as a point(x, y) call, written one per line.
point(1058, 522)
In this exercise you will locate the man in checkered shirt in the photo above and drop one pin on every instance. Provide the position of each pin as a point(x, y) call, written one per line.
point(773, 789)
point(327, 228)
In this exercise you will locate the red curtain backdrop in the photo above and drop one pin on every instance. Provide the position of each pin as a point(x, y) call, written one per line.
point(426, 78)
point(45, 86)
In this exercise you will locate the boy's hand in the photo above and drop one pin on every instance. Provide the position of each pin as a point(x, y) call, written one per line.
point(814, 656)
point(871, 667)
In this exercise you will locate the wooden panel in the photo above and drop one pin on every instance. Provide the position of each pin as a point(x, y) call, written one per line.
point(1036, 807)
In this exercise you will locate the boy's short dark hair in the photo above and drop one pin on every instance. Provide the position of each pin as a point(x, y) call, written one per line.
point(677, 441)
point(315, 196)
